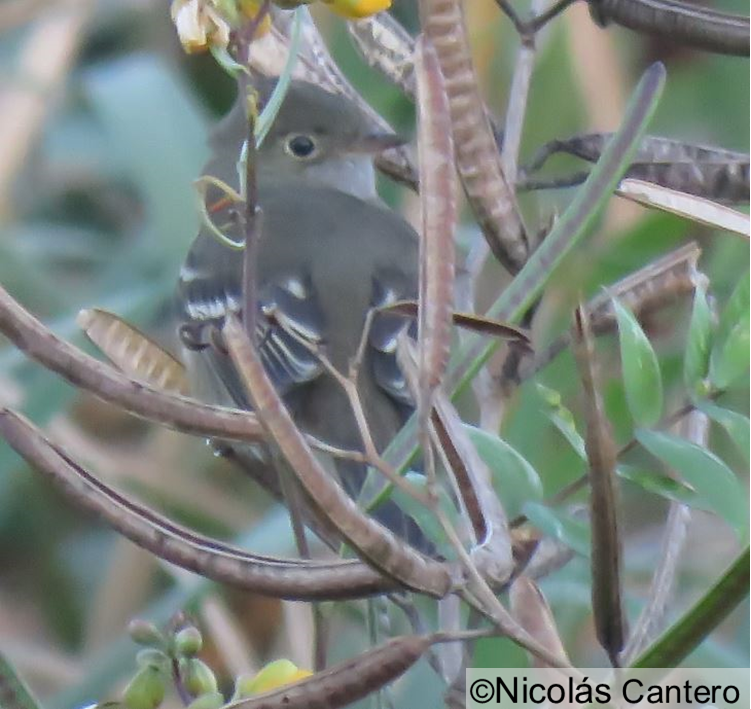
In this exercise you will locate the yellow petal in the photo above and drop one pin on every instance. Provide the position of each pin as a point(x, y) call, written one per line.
point(357, 9)
point(250, 8)
point(274, 675)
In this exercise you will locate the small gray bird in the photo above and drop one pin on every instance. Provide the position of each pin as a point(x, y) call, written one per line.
point(330, 251)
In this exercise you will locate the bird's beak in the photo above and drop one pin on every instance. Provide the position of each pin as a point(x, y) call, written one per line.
point(376, 143)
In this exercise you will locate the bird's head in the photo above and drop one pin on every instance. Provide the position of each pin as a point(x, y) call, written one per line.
point(324, 138)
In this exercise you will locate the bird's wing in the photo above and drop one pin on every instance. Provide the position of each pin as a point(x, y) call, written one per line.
point(384, 334)
point(289, 328)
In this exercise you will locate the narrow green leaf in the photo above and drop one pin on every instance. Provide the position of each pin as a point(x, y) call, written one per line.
point(737, 425)
point(698, 344)
point(730, 358)
point(682, 638)
point(572, 532)
point(562, 419)
point(705, 472)
point(14, 694)
point(574, 224)
point(514, 478)
point(662, 485)
point(641, 371)
point(269, 113)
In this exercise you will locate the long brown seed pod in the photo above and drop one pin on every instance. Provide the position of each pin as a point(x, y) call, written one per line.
point(346, 682)
point(607, 603)
point(439, 215)
point(376, 544)
point(281, 578)
point(106, 383)
point(702, 170)
point(477, 159)
point(132, 352)
point(683, 22)
point(386, 46)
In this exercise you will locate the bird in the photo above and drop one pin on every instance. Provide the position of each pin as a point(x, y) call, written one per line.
point(330, 252)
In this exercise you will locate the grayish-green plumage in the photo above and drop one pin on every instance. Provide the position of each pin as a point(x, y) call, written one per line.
point(329, 252)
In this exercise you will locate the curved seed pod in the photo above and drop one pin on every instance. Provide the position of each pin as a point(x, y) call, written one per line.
point(660, 283)
point(281, 578)
point(686, 23)
point(652, 149)
point(133, 352)
point(376, 544)
point(102, 380)
point(722, 182)
point(346, 682)
point(386, 46)
point(702, 170)
point(477, 159)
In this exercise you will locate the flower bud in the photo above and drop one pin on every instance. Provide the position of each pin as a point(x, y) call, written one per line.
point(145, 690)
point(199, 678)
point(188, 641)
point(151, 657)
point(145, 633)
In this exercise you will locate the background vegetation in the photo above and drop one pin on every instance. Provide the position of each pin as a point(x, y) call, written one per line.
point(102, 131)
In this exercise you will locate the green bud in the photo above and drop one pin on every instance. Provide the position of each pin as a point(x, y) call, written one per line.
point(145, 690)
point(188, 642)
point(151, 657)
point(198, 677)
point(212, 700)
point(145, 633)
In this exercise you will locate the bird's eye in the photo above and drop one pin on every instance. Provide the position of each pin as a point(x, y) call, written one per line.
point(301, 146)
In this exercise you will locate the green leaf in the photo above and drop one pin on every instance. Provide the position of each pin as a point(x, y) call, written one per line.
point(572, 532)
point(514, 478)
point(698, 343)
point(562, 419)
point(574, 224)
point(736, 425)
point(705, 472)
point(662, 485)
point(641, 372)
point(730, 358)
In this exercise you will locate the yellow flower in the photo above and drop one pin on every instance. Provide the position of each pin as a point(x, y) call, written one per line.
point(274, 675)
point(357, 9)
point(250, 8)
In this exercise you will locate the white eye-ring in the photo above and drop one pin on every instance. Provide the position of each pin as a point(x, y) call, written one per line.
point(302, 147)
